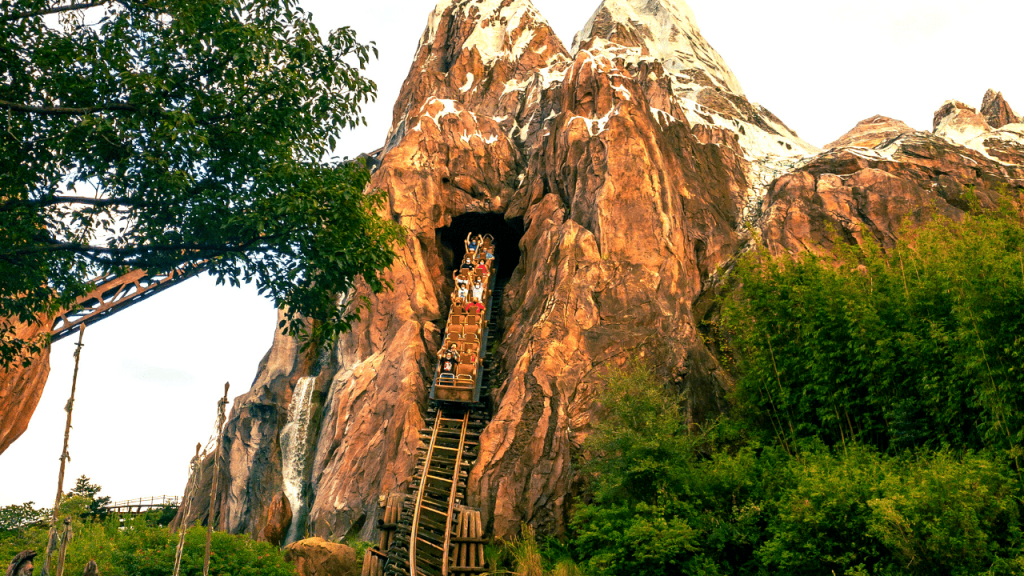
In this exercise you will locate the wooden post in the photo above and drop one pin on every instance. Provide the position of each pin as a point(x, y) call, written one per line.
point(64, 546)
point(51, 543)
point(190, 486)
point(211, 515)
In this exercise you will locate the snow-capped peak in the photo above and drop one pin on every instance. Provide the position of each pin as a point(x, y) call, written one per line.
point(498, 30)
point(667, 29)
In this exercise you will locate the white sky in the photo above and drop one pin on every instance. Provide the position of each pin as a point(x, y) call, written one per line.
point(151, 375)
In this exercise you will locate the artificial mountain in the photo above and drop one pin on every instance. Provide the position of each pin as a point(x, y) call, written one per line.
point(621, 177)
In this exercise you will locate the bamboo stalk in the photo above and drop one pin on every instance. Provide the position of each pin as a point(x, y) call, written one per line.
point(212, 514)
point(51, 543)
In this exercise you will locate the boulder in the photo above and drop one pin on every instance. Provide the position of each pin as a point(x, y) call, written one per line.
point(278, 519)
point(318, 557)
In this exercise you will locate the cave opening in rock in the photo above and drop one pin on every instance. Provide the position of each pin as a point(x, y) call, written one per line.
point(451, 239)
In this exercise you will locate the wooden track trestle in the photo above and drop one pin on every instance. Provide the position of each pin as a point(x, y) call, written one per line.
point(430, 535)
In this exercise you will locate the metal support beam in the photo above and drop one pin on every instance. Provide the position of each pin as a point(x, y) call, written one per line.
point(114, 293)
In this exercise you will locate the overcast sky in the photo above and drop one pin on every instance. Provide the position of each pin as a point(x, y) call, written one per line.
point(151, 375)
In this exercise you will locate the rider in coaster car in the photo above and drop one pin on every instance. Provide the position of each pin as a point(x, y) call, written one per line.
point(475, 306)
point(467, 264)
point(478, 289)
point(472, 243)
point(461, 287)
point(448, 365)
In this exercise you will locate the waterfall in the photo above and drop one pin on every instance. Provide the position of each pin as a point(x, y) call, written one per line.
point(294, 452)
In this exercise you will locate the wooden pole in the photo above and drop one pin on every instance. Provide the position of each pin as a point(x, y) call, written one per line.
point(64, 546)
point(190, 486)
point(51, 543)
point(211, 516)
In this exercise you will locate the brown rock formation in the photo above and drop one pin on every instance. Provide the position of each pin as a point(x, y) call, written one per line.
point(277, 521)
point(618, 180)
point(996, 110)
point(875, 192)
point(21, 387)
point(318, 557)
point(871, 132)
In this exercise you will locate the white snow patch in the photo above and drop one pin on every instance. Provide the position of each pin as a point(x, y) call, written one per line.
point(469, 83)
point(595, 126)
point(490, 40)
point(448, 107)
point(514, 85)
point(670, 34)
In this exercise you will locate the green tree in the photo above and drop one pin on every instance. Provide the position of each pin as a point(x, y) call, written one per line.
point(86, 489)
point(16, 516)
point(157, 133)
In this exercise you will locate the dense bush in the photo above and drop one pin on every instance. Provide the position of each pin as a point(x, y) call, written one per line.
point(876, 426)
point(664, 500)
point(920, 345)
point(143, 549)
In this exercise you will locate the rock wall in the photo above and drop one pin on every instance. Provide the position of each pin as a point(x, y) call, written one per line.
point(21, 387)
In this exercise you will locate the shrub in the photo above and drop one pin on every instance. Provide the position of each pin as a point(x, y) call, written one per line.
point(920, 346)
point(717, 502)
point(146, 550)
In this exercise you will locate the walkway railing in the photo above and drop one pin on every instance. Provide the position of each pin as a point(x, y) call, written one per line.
point(137, 505)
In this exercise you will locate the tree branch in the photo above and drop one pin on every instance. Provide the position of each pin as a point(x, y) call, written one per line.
point(54, 10)
point(54, 200)
point(64, 111)
point(119, 255)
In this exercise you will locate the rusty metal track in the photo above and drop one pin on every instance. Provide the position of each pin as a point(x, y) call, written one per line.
point(113, 293)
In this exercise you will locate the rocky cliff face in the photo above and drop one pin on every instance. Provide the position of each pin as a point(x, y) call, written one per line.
point(871, 132)
point(619, 177)
point(21, 387)
point(997, 111)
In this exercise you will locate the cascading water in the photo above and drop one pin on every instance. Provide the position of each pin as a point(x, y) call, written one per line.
point(294, 451)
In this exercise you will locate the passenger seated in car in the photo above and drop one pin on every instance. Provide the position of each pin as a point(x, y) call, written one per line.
point(467, 264)
point(477, 292)
point(471, 243)
point(448, 365)
point(461, 287)
point(453, 351)
point(475, 307)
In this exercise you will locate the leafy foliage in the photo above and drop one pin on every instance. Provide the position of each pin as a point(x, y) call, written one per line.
point(19, 516)
point(919, 346)
point(719, 502)
point(876, 425)
point(86, 489)
point(157, 133)
point(146, 550)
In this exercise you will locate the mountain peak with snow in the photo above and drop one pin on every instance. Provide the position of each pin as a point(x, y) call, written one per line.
point(664, 29)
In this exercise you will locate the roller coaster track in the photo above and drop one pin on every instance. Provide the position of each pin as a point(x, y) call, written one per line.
point(433, 534)
point(429, 531)
point(112, 293)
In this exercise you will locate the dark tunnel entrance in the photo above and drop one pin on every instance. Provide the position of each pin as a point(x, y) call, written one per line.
point(452, 246)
